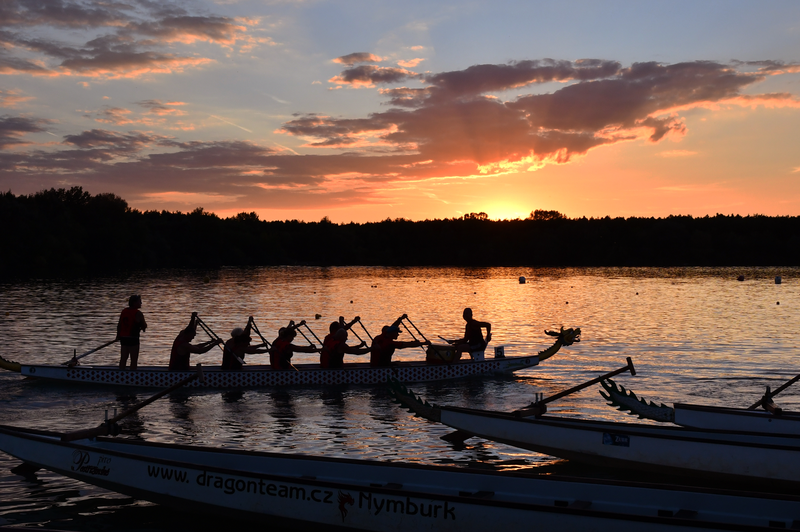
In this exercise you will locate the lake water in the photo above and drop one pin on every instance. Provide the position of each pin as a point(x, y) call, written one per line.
point(695, 335)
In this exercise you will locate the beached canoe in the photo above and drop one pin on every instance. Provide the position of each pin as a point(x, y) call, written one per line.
point(772, 421)
point(310, 492)
point(306, 374)
point(750, 456)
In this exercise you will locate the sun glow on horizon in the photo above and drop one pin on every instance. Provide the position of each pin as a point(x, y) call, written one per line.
point(507, 212)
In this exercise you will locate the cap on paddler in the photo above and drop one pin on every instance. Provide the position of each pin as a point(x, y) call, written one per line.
point(238, 331)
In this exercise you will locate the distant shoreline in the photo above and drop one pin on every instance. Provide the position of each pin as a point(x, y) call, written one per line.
point(70, 233)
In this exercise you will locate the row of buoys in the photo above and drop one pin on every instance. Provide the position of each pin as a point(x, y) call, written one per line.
point(778, 279)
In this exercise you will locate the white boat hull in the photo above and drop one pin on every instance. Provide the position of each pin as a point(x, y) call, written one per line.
point(751, 456)
point(309, 492)
point(736, 419)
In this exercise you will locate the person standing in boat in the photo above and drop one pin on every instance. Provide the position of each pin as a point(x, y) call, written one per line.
point(237, 347)
point(282, 351)
point(385, 344)
point(473, 340)
point(182, 347)
point(131, 323)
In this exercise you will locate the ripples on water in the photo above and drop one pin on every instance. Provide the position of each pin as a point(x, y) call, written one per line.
point(695, 334)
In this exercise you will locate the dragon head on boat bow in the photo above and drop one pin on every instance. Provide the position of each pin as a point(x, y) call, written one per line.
point(10, 366)
point(626, 401)
point(415, 404)
point(563, 337)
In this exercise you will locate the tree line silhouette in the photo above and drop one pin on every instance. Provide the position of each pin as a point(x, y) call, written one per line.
point(69, 232)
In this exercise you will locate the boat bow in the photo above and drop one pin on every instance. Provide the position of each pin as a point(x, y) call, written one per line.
point(9, 365)
point(563, 337)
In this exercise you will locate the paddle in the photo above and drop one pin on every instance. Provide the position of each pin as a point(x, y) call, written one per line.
point(72, 362)
point(365, 329)
point(349, 327)
point(214, 336)
point(312, 334)
point(769, 395)
point(406, 318)
point(253, 325)
point(108, 427)
point(540, 407)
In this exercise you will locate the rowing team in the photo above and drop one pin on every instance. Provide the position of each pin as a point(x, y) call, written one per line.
point(332, 351)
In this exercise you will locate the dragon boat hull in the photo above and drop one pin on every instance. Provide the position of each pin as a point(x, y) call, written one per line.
point(674, 450)
point(255, 376)
point(774, 421)
point(306, 492)
point(736, 419)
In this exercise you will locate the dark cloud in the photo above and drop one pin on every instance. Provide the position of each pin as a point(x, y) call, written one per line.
point(59, 13)
point(13, 128)
point(358, 57)
point(630, 98)
point(182, 28)
point(457, 117)
point(133, 44)
point(482, 79)
point(368, 75)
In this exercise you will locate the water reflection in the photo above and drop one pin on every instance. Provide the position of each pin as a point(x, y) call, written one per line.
point(695, 334)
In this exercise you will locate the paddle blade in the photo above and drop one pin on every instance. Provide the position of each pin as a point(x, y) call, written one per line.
point(458, 436)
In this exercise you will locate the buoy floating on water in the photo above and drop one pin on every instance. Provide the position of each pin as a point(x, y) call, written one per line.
point(317, 316)
point(778, 279)
point(522, 279)
point(740, 278)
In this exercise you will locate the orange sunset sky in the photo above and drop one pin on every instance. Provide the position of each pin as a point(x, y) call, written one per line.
point(361, 111)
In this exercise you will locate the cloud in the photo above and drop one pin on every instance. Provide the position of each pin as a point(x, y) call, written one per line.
point(369, 75)
point(13, 128)
point(157, 107)
point(410, 63)
point(10, 98)
point(483, 120)
point(127, 40)
point(157, 113)
point(358, 57)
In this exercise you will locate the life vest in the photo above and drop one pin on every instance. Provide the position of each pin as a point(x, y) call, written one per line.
point(381, 352)
point(329, 356)
point(228, 359)
point(280, 354)
point(179, 361)
point(128, 326)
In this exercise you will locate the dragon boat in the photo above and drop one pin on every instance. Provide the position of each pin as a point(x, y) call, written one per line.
point(771, 420)
point(752, 457)
point(306, 374)
point(308, 492)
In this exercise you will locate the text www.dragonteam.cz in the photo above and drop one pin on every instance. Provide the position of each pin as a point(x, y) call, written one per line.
point(230, 485)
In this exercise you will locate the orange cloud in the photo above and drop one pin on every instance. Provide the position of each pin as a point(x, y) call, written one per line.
point(410, 63)
point(10, 98)
point(358, 57)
